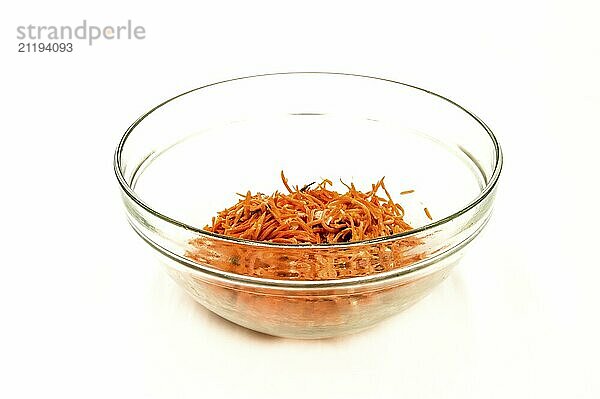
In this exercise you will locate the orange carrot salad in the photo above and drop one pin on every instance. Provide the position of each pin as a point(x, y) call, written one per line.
point(312, 215)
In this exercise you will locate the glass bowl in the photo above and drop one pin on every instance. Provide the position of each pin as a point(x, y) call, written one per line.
point(185, 160)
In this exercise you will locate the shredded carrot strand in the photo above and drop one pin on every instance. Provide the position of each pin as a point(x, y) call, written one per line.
point(427, 213)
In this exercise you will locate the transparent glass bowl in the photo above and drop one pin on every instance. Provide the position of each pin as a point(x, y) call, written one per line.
point(184, 160)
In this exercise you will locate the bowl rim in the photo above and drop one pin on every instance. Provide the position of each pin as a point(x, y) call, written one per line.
point(484, 193)
point(491, 183)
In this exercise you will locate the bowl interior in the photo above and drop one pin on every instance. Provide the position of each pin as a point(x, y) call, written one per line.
point(190, 157)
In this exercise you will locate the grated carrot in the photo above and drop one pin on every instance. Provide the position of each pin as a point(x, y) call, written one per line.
point(312, 215)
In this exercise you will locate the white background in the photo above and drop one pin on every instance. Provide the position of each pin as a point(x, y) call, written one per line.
point(85, 311)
